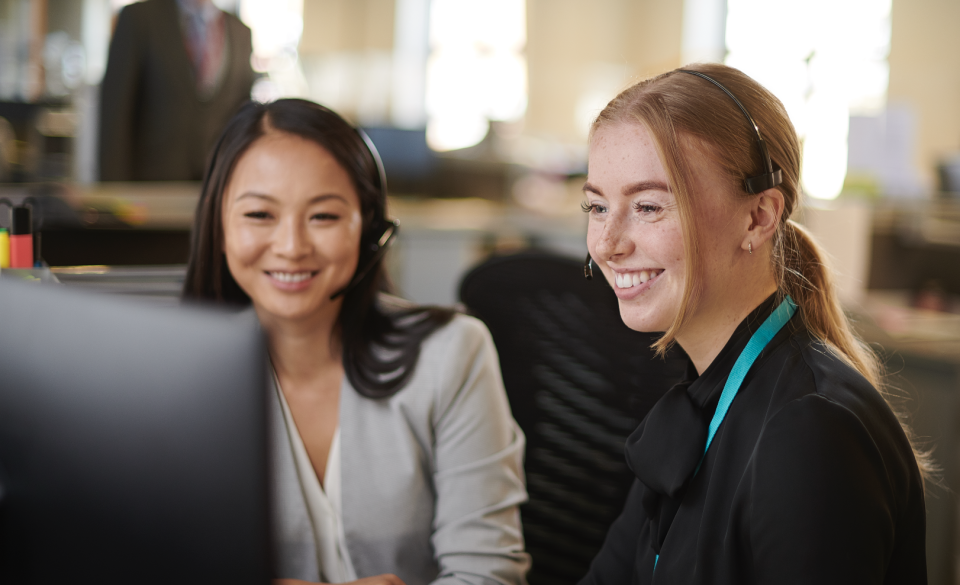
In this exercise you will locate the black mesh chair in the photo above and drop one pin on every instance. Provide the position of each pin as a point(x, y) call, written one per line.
point(579, 381)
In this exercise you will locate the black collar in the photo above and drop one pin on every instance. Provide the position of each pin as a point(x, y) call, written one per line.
point(666, 448)
point(705, 389)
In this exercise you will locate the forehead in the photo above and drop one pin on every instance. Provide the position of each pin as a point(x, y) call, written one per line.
point(287, 166)
point(623, 153)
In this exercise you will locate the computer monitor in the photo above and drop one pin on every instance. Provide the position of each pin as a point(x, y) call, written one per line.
point(132, 441)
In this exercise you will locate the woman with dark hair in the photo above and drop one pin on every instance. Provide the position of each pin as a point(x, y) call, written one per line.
point(778, 459)
point(395, 457)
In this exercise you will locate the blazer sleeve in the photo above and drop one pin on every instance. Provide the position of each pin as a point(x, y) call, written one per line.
point(821, 509)
point(118, 98)
point(478, 468)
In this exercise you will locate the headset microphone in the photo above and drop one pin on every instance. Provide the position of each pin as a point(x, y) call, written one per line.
point(379, 249)
point(389, 234)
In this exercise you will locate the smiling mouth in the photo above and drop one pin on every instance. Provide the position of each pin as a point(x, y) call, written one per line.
point(292, 277)
point(632, 279)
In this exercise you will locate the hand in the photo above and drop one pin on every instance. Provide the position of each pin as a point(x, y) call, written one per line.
point(385, 579)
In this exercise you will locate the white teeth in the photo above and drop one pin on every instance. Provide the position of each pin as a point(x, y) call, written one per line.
point(290, 276)
point(632, 279)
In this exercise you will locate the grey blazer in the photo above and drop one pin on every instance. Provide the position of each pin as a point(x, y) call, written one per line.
point(432, 477)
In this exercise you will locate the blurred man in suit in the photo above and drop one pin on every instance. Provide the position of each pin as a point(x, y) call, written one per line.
point(177, 71)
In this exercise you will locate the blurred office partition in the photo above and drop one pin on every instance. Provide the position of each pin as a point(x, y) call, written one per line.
point(579, 381)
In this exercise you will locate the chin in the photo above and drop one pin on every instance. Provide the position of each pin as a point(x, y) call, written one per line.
point(644, 319)
point(286, 310)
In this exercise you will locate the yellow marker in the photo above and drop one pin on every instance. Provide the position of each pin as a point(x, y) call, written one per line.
point(4, 248)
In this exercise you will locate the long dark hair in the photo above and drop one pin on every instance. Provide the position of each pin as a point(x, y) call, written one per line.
point(380, 344)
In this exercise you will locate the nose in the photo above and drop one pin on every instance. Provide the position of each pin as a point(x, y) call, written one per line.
point(612, 241)
point(290, 239)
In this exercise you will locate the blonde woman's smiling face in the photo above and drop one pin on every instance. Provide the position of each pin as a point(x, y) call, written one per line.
point(634, 232)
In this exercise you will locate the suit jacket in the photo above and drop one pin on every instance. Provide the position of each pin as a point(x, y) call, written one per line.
point(153, 124)
point(432, 477)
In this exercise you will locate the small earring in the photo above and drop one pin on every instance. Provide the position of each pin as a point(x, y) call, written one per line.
point(588, 267)
point(750, 247)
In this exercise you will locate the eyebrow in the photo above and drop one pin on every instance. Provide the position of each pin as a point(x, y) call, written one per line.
point(314, 199)
point(632, 188)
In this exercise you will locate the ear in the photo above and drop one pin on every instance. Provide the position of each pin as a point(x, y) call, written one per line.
point(765, 212)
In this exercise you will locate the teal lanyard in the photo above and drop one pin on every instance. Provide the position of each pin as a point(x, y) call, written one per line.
point(758, 341)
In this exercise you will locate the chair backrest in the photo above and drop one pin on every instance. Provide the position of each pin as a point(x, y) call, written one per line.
point(579, 381)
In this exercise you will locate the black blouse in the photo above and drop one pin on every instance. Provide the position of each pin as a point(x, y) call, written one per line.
point(809, 479)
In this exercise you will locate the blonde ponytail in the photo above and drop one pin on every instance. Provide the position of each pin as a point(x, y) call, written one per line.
point(805, 275)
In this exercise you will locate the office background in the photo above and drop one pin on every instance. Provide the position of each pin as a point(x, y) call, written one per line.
point(481, 108)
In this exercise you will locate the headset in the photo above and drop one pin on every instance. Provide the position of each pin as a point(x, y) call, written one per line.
point(380, 247)
point(771, 177)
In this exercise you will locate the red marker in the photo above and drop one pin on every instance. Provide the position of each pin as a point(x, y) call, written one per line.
point(21, 238)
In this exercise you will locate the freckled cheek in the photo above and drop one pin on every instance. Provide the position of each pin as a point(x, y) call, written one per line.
point(670, 249)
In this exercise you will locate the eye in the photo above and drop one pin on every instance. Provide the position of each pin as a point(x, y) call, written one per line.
point(647, 208)
point(592, 208)
point(324, 216)
point(257, 215)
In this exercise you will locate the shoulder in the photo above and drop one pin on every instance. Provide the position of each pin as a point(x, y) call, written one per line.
point(828, 411)
point(809, 367)
point(459, 362)
point(461, 327)
point(149, 9)
point(840, 385)
point(839, 435)
point(832, 497)
point(138, 14)
point(137, 9)
point(236, 25)
point(461, 340)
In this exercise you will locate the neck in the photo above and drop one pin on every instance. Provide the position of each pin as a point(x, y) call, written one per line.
point(302, 349)
point(714, 322)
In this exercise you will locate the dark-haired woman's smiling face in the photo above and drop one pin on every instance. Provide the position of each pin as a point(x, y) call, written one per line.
point(292, 224)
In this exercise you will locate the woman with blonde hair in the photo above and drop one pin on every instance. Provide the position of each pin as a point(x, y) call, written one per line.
point(778, 459)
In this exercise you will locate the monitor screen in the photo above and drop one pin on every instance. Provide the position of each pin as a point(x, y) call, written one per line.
point(132, 441)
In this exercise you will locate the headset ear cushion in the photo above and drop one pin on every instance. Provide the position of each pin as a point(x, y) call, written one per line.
point(761, 183)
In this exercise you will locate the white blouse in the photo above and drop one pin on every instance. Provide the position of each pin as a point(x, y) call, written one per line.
point(324, 506)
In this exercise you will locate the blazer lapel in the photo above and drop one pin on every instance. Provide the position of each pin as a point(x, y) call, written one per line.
point(175, 52)
point(295, 548)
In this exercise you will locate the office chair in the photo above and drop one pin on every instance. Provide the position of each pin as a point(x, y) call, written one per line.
point(579, 381)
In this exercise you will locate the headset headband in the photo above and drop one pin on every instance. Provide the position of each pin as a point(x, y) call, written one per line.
point(379, 248)
point(376, 160)
point(771, 177)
